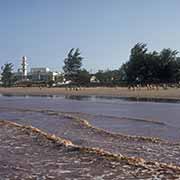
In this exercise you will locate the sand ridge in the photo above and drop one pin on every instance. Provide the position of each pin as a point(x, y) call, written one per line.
point(46, 156)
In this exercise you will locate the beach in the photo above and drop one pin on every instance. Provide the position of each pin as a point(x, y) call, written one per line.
point(170, 93)
point(29, 153)
point(46, 135)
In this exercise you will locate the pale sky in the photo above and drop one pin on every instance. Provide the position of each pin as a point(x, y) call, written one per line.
point(104, 30)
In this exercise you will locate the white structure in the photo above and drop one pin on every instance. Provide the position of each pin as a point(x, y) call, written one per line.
point(93, 79)
point(24, 67)
point(40, 70)
point(42, 74)
point(37, 74)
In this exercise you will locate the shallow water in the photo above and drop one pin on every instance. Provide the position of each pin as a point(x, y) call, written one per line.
point(144, 118)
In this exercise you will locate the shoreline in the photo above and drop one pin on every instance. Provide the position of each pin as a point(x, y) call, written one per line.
point(59, 157)
point(75, 140)
point(121, 92)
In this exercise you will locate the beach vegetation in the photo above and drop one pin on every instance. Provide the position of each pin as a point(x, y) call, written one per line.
point(146, 67)
point(7, 74)
point(72, 65)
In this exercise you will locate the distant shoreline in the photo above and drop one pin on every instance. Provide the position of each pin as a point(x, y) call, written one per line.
point(170, 93)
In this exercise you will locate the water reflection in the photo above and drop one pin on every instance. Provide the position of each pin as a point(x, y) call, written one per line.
point(96, 98)
point(149, 117)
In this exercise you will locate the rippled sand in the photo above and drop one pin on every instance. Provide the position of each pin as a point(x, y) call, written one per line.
point(29, 153)
point(78, 149)
point(74, 127)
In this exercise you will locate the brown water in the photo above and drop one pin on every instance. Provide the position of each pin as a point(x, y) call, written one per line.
point(144, 118)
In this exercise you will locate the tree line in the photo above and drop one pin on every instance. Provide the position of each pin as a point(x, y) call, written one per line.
point(151, 67)
point(143, 67)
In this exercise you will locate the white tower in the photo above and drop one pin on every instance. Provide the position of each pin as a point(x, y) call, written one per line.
point(24, 67)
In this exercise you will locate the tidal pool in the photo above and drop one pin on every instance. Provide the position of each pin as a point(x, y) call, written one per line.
point(118, 115)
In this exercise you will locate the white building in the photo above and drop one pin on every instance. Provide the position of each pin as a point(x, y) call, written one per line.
point(24, 67)
point(22, 72)
point(36, 74)
point(39, 70)
point(39, 74)
point(93, 79)
point(43, 74)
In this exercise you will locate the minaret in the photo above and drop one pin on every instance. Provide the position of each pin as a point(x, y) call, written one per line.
point(24, 67)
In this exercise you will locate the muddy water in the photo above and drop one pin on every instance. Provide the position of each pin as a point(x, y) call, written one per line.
point(144, 118)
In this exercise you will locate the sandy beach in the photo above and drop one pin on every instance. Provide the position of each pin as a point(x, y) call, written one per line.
point(21, 147)
point(170, 93)
point(40, 140)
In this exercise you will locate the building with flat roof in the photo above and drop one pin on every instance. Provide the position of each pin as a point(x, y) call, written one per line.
point(36, 74)
point(40, 70)
point(41, 74)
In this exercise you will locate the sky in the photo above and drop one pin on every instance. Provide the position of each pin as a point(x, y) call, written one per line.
point(103, 30)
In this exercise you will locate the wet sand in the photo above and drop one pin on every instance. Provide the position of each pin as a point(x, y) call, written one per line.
point(170, 93)
point(77, 150)
point(29, 153)
point(155, 119)
point(79, 131)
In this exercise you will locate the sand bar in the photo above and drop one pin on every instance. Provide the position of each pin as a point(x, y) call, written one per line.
point(170, 93)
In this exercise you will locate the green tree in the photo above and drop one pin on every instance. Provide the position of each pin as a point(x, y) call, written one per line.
point(136, 66)
point(100, 76)
point(59, 78)
point(72, 65)
point(177, 75)
point(83, 77)
point(123, 73)
point(7, 75)
point(167, 65)
point(108, 77)
point(151, 67)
